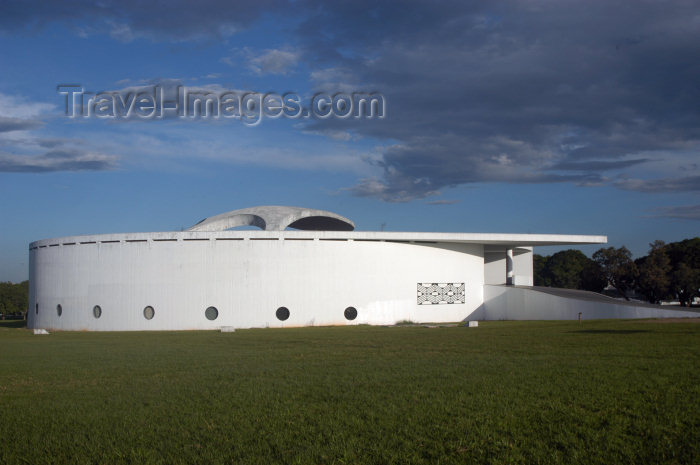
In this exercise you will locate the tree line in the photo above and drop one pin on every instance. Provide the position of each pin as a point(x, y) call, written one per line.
point(14, 298)
point(669, 271)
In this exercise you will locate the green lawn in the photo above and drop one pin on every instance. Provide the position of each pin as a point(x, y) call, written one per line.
point(607, 392)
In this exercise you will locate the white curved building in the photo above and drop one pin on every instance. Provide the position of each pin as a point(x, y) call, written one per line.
point(323, 273)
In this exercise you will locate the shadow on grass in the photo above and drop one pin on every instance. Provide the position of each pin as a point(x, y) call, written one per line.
point(13, 323)
point(611, 331)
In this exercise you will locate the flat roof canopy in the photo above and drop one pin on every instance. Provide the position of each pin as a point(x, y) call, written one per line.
point(514, 240)
point(504, 240)
point(275, 221)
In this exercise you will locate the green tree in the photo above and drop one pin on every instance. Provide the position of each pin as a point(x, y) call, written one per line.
point(14, 298)
point(686, 282)
point(565, 268)
point(5, 297)
point(569, 269)
point(592, 277)
point(685, 263)
point(618, 268)
point(654, 280)
point(539, 270)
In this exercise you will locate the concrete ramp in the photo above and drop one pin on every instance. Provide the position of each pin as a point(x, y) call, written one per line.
point(545, 303)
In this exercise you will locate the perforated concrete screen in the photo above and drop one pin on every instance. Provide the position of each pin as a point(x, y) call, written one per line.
point(440, 293)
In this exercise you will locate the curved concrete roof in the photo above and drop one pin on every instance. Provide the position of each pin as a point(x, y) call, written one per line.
point(276, 218)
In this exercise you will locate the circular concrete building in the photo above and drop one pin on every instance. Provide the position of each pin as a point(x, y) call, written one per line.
point(303, 267)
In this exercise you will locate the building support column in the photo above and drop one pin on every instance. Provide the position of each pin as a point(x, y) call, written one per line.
point(509, 267)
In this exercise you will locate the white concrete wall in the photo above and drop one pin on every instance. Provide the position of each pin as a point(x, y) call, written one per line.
point(247, 277)
point(522, 266)
point(513, 303)
point(495, 265)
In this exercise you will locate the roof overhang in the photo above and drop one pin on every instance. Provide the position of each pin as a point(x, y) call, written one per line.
point(489, 239)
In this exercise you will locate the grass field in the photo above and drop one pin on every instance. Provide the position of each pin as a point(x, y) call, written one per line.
point(605, 392)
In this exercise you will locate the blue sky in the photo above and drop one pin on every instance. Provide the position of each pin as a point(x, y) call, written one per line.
point(541, 117)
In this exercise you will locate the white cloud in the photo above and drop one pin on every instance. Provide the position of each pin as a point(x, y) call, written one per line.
point(274, 61)
point(56, 160)
point(12, 106)
point(683, 212)
point(121, 32)
point(269, 61)
point(336, 80)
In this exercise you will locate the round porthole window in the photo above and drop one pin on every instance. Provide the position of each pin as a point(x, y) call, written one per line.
point(149, 313)
point(211, 313)
point(282, 313)
point(350, 313)
point(37, 308)
point(97, 311)
point(59, 310)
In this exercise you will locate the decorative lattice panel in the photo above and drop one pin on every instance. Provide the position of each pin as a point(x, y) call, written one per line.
point(440, 293)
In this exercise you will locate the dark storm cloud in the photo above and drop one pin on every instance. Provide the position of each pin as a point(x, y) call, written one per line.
point(56, 160)
point(508, 91)
point(128, 19)
point(596, 165)
point(680, 184)
point(51, 143)
point(685, 212)
point(442, 202)
point(8, 124)
point(480, 91)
